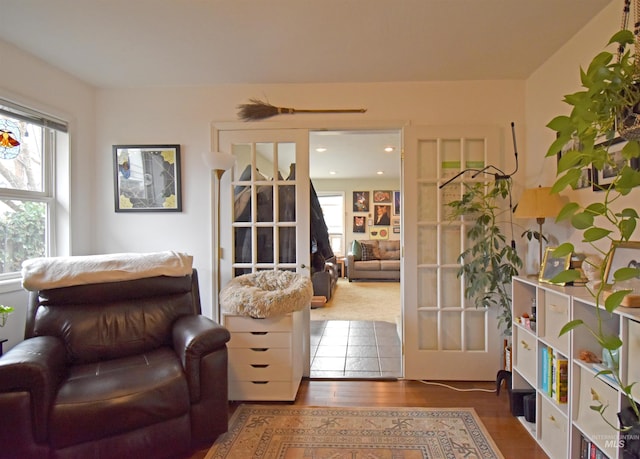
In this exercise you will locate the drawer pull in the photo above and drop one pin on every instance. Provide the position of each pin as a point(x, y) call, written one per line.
point(552, 419)
point(259, 382)
point(260, 349)
point(259, 365)
point(525, 345)
point(259, 333)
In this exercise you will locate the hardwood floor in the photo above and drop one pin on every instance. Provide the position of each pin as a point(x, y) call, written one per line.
point(507, 432)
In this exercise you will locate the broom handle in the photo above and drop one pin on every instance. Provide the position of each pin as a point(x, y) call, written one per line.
point(339, 110)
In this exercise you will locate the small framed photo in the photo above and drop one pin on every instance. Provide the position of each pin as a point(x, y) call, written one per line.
point(396, 230)
point(382, 197)
point(361, 201)
point(552, 265)
point(396, 203)
point(623, 255)
point(147, 178)
point(602, 179)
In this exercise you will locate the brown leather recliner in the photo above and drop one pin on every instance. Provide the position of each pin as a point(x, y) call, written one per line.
point(114, 370)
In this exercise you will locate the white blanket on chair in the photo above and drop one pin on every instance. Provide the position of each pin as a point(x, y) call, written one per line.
point(55, 272)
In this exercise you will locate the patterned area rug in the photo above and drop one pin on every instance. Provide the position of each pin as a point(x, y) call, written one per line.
point(290, 432)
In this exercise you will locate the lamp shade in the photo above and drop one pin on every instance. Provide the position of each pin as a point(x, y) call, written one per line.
point(539, 203)
point(218, 161)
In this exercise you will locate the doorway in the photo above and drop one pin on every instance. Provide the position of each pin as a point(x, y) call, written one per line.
point(357, 333)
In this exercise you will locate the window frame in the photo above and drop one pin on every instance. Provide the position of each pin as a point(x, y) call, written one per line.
point(52, 141)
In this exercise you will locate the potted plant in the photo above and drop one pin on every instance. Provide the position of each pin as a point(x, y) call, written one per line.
point(599, 113)
point(490, 262)
point(4, 314)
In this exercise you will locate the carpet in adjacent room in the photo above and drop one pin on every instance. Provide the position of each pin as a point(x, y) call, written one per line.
point(292, 432)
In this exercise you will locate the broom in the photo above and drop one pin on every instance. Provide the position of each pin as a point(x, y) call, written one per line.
point(257, 110)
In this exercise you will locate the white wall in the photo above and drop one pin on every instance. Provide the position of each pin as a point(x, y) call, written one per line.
point(545, 90)
point(32, 83)
point(184, 115)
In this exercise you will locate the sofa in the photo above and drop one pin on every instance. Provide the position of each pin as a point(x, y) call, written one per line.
point(374, 260)
point(115, 369)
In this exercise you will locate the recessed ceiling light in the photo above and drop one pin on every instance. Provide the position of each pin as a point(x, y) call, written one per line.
point(332, 172)
point(380, 172)
point(321, 149)
point(389, 149)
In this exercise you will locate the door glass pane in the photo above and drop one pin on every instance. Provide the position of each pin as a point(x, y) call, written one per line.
point(474, 330)
point(450, 327)
point(265, 245)
point(450, 247)
point(287, 203)
point(427, 245)
point(265, 203)
point(427, 153)
point(428, 326)
point(450, 296)
point(287, 244)
point(427, 202)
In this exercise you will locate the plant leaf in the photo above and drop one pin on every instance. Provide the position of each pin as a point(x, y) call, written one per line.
point(570, 326)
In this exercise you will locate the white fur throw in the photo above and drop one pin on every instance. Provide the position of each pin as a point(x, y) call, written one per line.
point(55, 272)
point(266, 294)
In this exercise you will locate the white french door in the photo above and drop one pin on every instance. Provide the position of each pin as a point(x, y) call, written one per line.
point(264, 209)
point(445, 336)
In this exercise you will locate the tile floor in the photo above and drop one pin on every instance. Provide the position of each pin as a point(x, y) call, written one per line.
point(354, 349)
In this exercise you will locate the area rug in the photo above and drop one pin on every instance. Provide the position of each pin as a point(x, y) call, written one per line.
point(362, 301)
point(290, 432)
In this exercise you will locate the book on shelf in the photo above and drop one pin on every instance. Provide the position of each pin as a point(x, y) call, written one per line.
point(561, 380)
point(588, 450)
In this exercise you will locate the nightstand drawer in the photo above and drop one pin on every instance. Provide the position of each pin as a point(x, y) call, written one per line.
point(249, 324)
point(259, 339)
point(526, 354)
point(259, 372)
point(259, 356)
point(556, 315)
point(553, 430)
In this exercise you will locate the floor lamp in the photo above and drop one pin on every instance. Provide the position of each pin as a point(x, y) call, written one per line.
point(539, 203)
point(218, 163)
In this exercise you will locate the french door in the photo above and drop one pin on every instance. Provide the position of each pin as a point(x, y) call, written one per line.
point(265, 204)
point(445, 336)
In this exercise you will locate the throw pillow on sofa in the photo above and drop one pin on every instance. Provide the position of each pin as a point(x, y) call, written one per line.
point(356, 250)
point(369, 252)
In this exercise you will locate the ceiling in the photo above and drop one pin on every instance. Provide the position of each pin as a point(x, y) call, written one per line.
point(155, 43)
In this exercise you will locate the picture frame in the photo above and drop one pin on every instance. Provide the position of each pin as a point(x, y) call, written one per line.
point(359, 223)
point(552, 265)
point(585, 180)
point(602, 179)
point(147, 178)
point(382, 214)
point(382, 196)
point(378, 232)
point(623, 254)
point(396, 203)
point(361, 201)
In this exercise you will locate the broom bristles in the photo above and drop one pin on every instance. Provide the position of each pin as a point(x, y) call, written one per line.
point(259, 110)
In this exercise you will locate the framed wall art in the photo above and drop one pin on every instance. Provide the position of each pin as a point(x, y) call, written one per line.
point(359, 223)
point(552, 265)
point(361, 201)
point(585, 179)
point(396, 203)
point(147, 178)
point(381, 196)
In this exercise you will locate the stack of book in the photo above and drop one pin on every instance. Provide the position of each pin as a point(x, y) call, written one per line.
point(554, 375)
point(590, 451)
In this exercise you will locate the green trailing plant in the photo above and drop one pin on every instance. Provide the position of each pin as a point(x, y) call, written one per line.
point(4, 314)
point(610, 94)
point(489, 264)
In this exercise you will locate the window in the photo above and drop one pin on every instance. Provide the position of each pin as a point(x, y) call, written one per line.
point(28, 142)
point(333, 209)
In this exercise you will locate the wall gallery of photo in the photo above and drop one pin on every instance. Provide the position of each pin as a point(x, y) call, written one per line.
point(375, 212)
